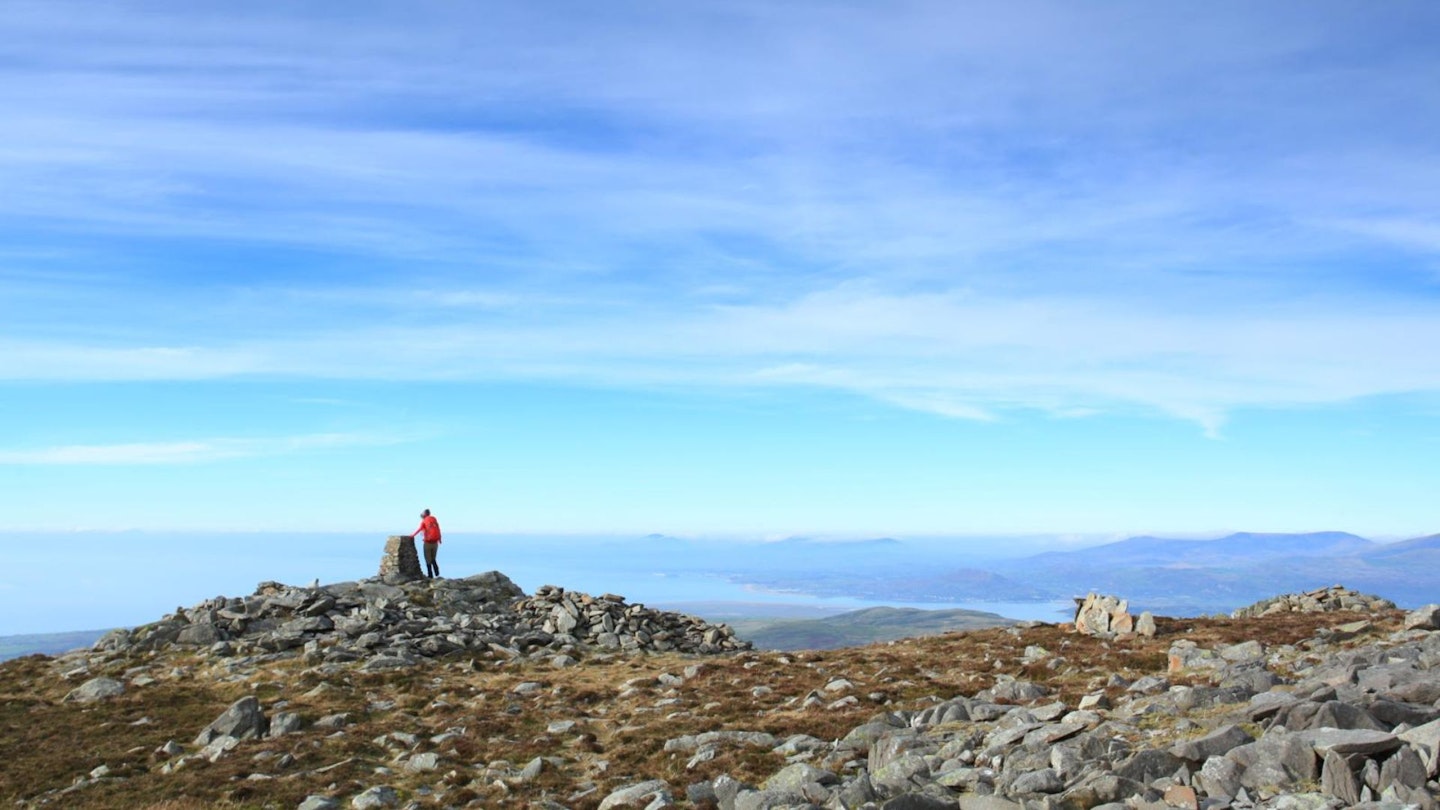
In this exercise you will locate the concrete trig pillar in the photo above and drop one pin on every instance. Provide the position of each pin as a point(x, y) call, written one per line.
point(400, 562)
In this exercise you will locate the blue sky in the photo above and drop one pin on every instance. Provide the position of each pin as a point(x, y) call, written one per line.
point(730, 268)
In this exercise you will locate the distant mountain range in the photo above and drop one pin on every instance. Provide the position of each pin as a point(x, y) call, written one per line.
point(861, 627)
point(1171, 576)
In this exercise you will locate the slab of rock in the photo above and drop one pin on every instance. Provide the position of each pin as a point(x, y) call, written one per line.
point(1424, 618)
point(376, 798)
point(243, 721)
point(1214, 744)
point(639, 795)
point(95, 689)
point(1350, 741)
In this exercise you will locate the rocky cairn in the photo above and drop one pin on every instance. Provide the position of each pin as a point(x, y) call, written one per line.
point(1349, 717)
point(1109, 617)
point(1322, 600)
point(385, 626)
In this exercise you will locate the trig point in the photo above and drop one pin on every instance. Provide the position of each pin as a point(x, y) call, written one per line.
point(400, 562)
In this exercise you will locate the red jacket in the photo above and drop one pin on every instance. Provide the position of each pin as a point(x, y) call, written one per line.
point(430, 527)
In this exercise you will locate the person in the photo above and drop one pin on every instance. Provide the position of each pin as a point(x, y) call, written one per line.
point(430, 527)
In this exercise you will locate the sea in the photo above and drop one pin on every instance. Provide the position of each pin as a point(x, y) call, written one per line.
point(92, 580)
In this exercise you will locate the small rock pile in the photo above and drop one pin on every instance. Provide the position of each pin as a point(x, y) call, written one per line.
point(1109, 616)
point(1322, 600)
point(607, 622)
point(385, 626)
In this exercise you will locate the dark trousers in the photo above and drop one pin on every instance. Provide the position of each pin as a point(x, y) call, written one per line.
point(432, 568)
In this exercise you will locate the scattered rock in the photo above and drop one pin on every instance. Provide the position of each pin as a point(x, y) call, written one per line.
point(1335, 597)
point(95, 689)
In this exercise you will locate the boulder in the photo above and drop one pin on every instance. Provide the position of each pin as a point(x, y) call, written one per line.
point(95, 689)
point(243, 721)
point(1424, 618)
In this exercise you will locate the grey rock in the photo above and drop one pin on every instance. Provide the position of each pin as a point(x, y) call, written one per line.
point(1268, 704)
point(907, 773)
point(855, 793)
point(199, 635)
point(988, 803)
point(375, 798)
point(1405, 768)
point(1424, 618)
point(639, 795)
point(1149, 765)
point(421, 763)
point(243, 720)
point(1338, 780)
point(767, 800)
point(318, 803)
point(1276, 759)
point(919, 801)
point(1044, 780)
point(1391, 713)
point(795, 778)
point(1213, 744)
point(1357, 741)
point(285, 723)
point(1219, 776)
point(95, 689)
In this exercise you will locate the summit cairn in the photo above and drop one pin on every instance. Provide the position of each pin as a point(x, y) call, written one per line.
point(1321, 600)
point(1109, 616)
point(400, 563)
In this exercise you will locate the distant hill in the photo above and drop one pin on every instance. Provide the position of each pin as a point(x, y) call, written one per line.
point(861, 627)
point(1241, 546)
point(46, 643)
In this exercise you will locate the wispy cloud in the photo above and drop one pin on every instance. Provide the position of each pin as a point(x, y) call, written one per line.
point(968, 211)
point(183, 452)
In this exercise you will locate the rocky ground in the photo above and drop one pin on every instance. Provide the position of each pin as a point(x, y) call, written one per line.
point(430, 695)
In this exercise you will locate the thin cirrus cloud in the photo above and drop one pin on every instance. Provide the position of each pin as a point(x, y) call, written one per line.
point(960, 210)
point(183, 452)
point(960, 355)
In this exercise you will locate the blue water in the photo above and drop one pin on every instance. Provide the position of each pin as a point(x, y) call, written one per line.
point(89, 581)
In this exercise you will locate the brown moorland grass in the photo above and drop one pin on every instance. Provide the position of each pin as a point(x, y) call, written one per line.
point(622, 715)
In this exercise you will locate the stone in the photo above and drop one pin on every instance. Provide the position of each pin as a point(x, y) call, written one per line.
point(973, 802)
point(318, 803)
point(421, 763)
point(1426, 740)
point(1149, 765)
point(95, 689)
point(243, 721)
point(1219, 776)
point(376, 798)
point(285, 723)
point(639, 795)
point(1213, 744)
point(1405, 768)
point(919, 801)
point(1424, 618)
point(1356, 741)
point(1044, 780)
point(1182, 796)
point(1338, 780)
point(795, 778)
point(1145, 625)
